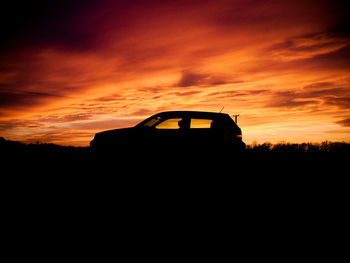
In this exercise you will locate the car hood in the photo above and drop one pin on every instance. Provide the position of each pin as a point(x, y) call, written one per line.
point(115, 132)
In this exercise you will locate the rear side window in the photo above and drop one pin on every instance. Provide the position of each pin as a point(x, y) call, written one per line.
point(200, 123)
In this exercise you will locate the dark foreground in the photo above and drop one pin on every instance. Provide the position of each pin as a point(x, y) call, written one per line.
point(258, 161)
point(78, 177)
point(263, 197)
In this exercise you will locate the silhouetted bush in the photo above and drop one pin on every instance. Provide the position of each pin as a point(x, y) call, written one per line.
point(7, 146)
point(335, 147)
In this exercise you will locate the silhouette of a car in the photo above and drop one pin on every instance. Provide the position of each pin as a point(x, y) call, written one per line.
point(174, 130)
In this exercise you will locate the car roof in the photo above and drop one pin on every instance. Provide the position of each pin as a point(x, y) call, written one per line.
point(192, 114)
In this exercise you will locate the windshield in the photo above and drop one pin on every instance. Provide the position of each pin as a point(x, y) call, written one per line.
point(149, 122)
point(159, 122)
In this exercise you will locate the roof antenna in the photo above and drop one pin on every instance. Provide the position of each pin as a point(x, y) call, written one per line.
point(236, 118)
point(221, 109)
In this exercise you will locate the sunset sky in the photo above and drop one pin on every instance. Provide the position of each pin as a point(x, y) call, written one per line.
point(69, 69)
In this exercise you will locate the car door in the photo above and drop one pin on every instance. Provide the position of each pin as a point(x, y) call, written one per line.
point(200, 132)
point(168, 132)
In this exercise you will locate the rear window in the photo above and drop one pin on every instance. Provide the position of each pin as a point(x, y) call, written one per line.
point(200, 123)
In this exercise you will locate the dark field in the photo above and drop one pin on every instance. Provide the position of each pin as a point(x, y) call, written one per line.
point(324, 147)
point(283, 186)
point(257, 159)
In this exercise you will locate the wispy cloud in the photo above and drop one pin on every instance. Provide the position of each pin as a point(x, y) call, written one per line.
point(23, 99)
point(190, 78)
point(308, 46)
point(316, 94)
point(345, 122)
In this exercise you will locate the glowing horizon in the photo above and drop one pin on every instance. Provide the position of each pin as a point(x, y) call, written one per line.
point(76, 69)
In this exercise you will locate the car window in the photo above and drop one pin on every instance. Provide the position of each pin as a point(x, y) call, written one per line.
point(151, 122)
point(169, 124)
point(200, 123)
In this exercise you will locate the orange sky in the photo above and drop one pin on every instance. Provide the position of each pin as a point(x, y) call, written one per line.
point(68, 70)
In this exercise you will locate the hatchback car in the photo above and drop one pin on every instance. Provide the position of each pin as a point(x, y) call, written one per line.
point(174, 130)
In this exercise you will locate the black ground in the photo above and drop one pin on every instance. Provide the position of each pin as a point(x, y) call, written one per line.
point(69, 195)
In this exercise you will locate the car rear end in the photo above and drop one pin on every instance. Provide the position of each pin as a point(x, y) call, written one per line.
point(233, 133)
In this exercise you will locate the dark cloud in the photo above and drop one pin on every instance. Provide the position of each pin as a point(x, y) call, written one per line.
point(35, 22)
point(318, 85)
point(80, 25)
point(345, 122)
point(65, 118)
point(325, 93)
point(188, 93)
point(313, 44)
point(30, 80)
point(183, 94)
point(338, 59)
point(327, 49)
point(340, 102)
point(110, 98)
point(21, 99)
point(85, 25)
point(190, 78)
point(72, 26)
point(340, 24)
point(237, 93)
point(8, 125)
point(335, 92)
point(261, 14)
point(289, 100)
point(254, 13)
point(304, 44)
